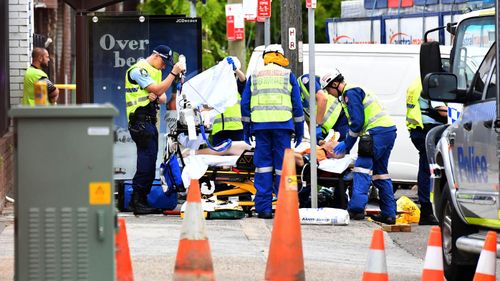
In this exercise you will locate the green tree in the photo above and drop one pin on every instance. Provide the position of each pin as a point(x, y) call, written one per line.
point(213, 28)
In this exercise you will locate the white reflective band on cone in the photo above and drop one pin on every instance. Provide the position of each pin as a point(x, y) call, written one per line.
point(193, 225)
point(433, 258)
point(376, 262)
point(487, 263)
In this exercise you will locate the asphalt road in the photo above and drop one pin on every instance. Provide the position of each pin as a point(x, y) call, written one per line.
point(240, 248)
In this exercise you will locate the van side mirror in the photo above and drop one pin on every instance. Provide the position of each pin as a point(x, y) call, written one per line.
point(440, 86)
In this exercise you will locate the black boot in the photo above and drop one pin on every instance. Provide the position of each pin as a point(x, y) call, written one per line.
point(426, 215)
point(139, 205)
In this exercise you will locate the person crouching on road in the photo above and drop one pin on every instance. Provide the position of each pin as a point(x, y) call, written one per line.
point(271, 110)
point(329, 114)
point(377, 132)
point(144, 89)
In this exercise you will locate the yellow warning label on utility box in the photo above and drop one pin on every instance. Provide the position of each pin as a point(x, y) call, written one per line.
point(99, 193)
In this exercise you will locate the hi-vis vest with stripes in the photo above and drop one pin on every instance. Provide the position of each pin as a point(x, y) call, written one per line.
point(230, 120)
point(134, 95)
point(375, 115)
point(271, 100)
point(332, 112)
point(413, 112)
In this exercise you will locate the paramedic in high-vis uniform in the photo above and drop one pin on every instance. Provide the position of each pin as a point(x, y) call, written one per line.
point(421, 116)
point(228, 125)
point(329, 113)
point(271, 111)
point(144, 90)
point(377, 132)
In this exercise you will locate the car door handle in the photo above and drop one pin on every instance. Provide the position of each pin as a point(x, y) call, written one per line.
point(468, 126)
point(488, 124)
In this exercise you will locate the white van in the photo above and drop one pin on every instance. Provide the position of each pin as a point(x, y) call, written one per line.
point(385, 70)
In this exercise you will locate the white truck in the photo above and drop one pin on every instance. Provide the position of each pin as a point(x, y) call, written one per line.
point(387, 71)
point(463, 157)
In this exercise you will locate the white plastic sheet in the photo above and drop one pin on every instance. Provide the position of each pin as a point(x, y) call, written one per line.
point(215, 87)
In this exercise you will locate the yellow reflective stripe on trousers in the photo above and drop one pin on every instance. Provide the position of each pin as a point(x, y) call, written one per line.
point(381, 177)
point(361, 170)
point(264, 170)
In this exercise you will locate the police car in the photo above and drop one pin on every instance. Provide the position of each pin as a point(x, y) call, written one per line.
point(463, 156)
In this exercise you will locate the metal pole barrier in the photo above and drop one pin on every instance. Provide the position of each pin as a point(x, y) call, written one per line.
point(312, 108)
point(267, 31)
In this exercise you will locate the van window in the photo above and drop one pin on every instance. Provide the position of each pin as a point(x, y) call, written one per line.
point(482, 75)
point(491, 92)
point(473, 41)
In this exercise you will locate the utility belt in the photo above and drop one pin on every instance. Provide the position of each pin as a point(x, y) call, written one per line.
point(144, 114)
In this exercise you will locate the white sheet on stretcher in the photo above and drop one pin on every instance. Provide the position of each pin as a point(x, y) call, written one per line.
point(197, 165)
point(336, 165)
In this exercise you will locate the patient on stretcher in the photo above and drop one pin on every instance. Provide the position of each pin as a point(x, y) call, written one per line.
point(323, 151)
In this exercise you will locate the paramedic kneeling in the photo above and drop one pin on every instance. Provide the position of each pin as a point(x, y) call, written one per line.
point(144, 89)
point(377, 132)
point(329, 114)
point(271, 110)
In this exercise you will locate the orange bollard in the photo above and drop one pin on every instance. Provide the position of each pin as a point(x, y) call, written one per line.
point(486, 266)
point(433, 263)
point(286, 261)
point(376, 268)
point(193, 261)
point(122, 254)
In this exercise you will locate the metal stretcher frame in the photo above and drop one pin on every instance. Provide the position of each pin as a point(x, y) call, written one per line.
point(241, 177)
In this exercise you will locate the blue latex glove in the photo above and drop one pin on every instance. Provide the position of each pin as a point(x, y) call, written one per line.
point(231, 62)
point(319, 133)
point(299, 133)
point(340, 148)
point(247, 132)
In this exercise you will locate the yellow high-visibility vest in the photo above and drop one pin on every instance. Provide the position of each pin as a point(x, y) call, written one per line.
point(135, 96)
point(271, 98)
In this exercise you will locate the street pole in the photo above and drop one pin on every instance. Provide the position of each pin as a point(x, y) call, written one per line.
point(497, 121)
point(237, 47)
point(312, 107)
point(192, 8)
point(267, 31)
point(291, 32)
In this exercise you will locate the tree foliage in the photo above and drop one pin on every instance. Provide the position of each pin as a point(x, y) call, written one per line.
point(213, 24)
point(214, 41)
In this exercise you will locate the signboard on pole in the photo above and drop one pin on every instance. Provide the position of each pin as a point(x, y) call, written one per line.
point(250, 10)
point(264, 8)
point(292, 38)
point(235, 23)
point(311, 4)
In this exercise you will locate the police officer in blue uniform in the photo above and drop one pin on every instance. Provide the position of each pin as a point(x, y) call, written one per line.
point(271, 110)
point(144, 89)
point(369, 121)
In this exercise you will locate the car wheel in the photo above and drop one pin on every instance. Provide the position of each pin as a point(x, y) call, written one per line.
point(457, 264)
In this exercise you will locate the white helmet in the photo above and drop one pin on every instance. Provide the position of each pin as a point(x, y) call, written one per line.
point(274, 48)
point(330, 77)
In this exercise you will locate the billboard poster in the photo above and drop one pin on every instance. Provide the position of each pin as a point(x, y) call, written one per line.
point(410, 30)
point(361, 31)
point(116, 43)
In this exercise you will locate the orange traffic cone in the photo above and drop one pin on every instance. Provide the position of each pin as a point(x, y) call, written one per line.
point(433, 264)
point(122, 254)
point(486, 266)
point(194, 261)
point(285, 260)
point(376, 269)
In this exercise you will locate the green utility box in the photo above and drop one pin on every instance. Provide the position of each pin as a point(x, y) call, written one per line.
point(64, 210)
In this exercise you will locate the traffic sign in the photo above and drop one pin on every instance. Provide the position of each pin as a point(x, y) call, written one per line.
point(311, 4)
point(264, 8)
